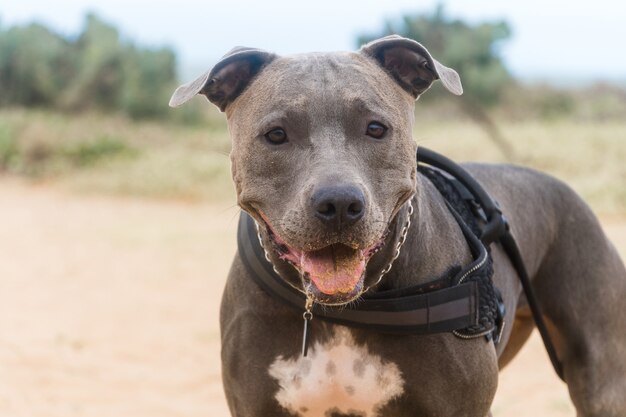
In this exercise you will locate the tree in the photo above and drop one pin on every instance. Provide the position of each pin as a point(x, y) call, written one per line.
point(472, 50)
point(98, 69)
point(35, 64)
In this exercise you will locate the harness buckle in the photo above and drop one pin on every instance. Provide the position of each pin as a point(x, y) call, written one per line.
point(496, 227)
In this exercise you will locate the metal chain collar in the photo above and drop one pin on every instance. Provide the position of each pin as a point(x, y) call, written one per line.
point(403, 234)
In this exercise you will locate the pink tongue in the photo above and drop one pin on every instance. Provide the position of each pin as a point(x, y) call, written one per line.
point(334, 269)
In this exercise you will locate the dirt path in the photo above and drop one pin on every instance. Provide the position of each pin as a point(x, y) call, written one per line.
point(108, 307)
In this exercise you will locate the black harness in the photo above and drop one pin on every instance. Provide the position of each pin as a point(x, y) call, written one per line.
point(463, 301)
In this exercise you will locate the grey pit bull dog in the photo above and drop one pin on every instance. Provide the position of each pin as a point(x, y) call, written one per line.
point(324, 160)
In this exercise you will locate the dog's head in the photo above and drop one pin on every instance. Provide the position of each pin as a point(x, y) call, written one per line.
point(323, 156)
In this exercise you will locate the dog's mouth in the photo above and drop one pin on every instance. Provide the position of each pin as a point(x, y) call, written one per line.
point(332, 275)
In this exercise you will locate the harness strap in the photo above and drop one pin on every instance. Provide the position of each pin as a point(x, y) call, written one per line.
point(510, 247)
point(496, 224)
point(497, 229)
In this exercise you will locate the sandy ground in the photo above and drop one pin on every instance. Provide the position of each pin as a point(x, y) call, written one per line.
point(109, 307)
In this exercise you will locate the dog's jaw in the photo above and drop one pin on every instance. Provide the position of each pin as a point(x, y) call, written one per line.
point(332, 275)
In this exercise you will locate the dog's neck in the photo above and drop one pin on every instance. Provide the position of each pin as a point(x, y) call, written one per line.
point(434, 242)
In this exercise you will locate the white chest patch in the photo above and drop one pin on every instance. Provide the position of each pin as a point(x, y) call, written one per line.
point(337, 376)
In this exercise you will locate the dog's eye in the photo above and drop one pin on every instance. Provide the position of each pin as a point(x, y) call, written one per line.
point(376, 130)
point(276, 136)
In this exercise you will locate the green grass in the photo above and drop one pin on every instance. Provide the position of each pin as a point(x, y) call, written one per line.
point(8, 147)
point(111, 154)
point(92, 151)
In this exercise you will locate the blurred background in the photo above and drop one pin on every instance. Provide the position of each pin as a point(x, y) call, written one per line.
point(118, 213)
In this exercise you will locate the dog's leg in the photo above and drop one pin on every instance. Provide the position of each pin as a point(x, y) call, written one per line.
point(582, 287)
point(252, 332)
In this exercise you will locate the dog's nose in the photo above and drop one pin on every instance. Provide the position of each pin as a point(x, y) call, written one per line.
point(339, 206)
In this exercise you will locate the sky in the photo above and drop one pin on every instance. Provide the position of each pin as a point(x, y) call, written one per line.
point(555, 40)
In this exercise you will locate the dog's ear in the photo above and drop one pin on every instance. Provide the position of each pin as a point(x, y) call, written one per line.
point(411, 65)
point(228, 78)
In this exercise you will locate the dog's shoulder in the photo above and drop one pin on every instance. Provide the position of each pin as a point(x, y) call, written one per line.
point(511, 174)
point(521, 181)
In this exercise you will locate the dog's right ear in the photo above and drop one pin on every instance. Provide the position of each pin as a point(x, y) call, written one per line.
point(228, 78)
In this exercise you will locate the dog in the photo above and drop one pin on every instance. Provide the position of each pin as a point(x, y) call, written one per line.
point(323, 159)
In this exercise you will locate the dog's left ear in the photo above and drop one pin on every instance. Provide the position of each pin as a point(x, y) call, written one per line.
point(411, 65)
point(227, 79)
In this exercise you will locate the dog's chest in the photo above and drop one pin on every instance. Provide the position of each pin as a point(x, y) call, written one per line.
point(337, 377)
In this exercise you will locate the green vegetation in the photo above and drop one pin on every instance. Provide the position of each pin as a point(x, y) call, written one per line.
point(96, 70)
point(114, 154)
point(91, 151)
